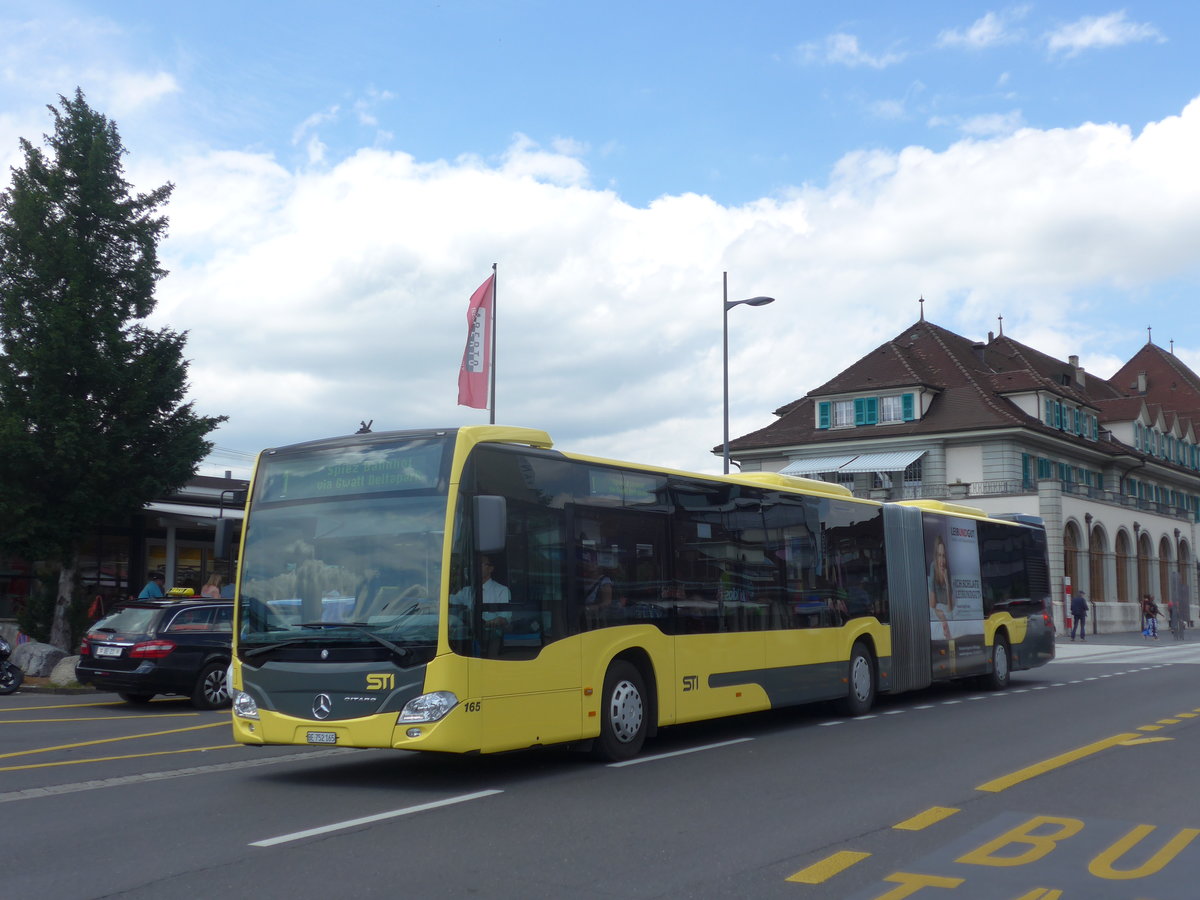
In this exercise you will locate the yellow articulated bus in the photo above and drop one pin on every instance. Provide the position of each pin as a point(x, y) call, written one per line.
point(475, 590)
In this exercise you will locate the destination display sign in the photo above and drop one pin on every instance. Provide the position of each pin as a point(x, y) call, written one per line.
point(347, 471)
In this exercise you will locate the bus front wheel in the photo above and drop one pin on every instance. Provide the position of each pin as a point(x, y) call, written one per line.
point(623, 722)
point(860, 685)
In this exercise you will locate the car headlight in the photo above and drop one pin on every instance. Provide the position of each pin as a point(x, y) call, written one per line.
point(244, 706)
point(428, 707)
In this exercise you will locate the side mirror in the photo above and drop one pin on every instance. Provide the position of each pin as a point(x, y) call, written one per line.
point(491, 523)
point(223, 542)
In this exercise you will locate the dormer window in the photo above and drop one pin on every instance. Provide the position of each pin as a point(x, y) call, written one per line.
point(866, 411)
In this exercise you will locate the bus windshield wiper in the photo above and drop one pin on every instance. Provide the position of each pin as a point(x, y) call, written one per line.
point(401, 653)
point(267, 648)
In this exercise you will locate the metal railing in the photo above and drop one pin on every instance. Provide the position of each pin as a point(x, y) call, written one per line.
point(939, 491)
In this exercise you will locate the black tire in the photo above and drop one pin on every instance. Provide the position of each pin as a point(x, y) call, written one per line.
point(212, 690)
point(10, 679)
point(1000, 675)
point(860, 682)
point(136, 699)
point(624, 712)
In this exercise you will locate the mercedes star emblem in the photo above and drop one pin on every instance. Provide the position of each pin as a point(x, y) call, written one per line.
point(322, 706)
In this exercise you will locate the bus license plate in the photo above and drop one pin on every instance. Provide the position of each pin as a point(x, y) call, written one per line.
point(322, 737)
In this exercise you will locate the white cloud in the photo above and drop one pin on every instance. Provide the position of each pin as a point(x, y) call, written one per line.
point(990, 30)
point(1095, 32)
point(524, 158)
point(843, 49)
point(992, 124)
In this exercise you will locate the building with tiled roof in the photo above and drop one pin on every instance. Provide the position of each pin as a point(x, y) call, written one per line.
point(1112, 466)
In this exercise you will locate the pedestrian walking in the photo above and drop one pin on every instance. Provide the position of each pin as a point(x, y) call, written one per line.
point(1149, 617)
point(1079, 613)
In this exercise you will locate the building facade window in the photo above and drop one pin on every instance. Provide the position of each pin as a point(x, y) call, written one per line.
point(843, 413)
point(891, 409)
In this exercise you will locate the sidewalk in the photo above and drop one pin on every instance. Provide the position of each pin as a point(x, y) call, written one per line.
point(1127, 638)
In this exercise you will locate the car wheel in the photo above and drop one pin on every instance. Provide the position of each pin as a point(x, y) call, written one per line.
point(860, 682)
point(998, 678)
point(623, 714)
point(137, 699)
point(212, 689)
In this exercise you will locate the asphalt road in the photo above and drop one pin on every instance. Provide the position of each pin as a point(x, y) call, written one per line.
point(1076, 784)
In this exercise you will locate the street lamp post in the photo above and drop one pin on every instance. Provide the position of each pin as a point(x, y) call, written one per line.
point(728, 305)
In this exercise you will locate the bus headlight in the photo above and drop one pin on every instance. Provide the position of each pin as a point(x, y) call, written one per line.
point(428, 707)
point(244, 706)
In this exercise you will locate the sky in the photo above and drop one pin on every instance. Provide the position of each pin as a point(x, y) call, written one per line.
point(346, 176)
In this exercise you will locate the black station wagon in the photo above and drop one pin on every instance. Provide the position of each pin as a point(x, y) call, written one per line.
point(153, 647)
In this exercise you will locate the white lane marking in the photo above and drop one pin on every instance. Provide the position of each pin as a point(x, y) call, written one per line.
point(658, 756)
point(367, 820)
point(56, 789)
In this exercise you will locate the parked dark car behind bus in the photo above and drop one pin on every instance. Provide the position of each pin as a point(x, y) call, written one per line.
point(153, 647)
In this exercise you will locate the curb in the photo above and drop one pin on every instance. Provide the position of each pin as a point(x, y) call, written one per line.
point(54, 689)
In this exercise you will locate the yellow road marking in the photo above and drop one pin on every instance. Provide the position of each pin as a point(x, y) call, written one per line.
point(931, 816)
point(80, 762)
point(1145, 740)
point(820, 872)
point(68, 706)
point(1185, 715)
point(191, 715)
point(1021, 775)
point(1168, 721)
point(128, 737)
point(1150, 728)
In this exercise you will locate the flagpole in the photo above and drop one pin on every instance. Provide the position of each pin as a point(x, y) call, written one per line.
point(492, 411)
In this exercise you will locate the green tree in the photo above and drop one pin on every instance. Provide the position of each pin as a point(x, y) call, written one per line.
point(93, 422)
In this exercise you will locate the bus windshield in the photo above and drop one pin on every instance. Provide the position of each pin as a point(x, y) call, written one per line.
point(344, 546)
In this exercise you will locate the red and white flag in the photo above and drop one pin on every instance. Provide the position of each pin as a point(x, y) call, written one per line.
point(477, 358)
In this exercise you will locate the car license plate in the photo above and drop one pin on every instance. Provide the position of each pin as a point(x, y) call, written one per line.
point(322, 737)
point(108, 651)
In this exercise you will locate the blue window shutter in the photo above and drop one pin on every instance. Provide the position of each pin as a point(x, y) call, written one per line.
point(860, 411)
point(823, 414)
point(1095, 429)
point(872, 410)
point(1025, 479)
point(907, 407)
point(1050, 412)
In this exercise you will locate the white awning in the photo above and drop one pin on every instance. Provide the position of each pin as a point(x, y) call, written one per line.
point(194, 512)
point(816, 465)
point(896, 461)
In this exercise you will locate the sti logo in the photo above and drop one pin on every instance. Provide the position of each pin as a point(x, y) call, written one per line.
point(690, 683)
point(381, 682)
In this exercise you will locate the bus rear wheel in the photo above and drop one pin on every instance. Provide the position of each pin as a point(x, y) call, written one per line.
point(998, 678)
point(623, 722)
point(860, 683)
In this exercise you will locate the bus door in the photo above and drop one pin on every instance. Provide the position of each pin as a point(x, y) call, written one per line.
point(522, 671)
